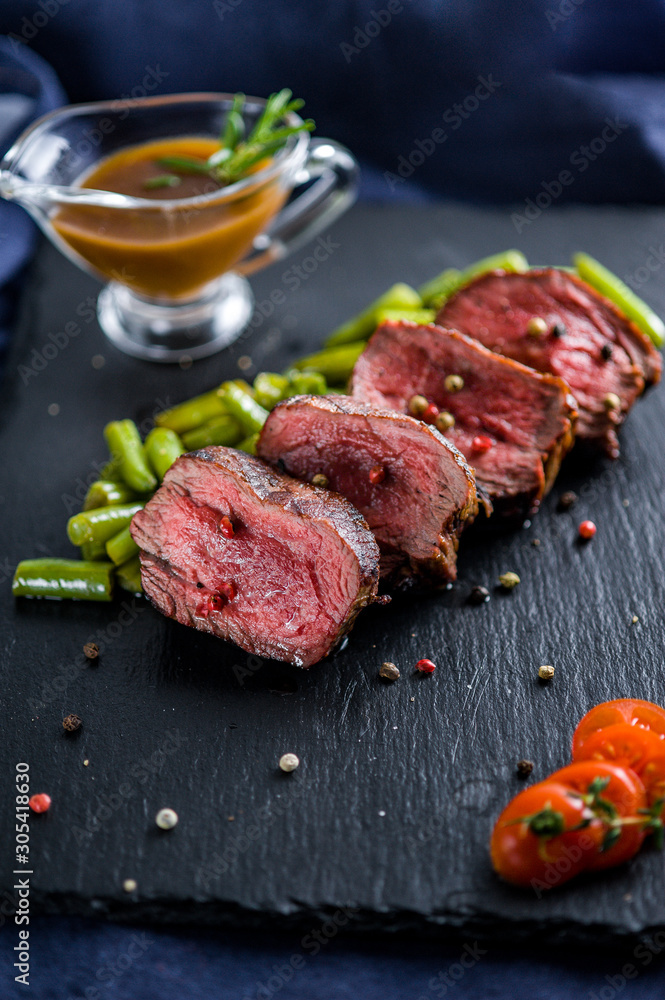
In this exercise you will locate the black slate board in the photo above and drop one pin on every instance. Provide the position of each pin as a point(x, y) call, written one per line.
point(390, 811)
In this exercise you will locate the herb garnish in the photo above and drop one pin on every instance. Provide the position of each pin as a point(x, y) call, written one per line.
point(238, 154)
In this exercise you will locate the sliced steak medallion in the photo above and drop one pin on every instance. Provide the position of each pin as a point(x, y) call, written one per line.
point(512, 424)
point(412, 486)
point(554, 322)
point(235, 548)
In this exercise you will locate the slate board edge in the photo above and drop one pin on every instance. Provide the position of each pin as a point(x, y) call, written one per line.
point(444, 926)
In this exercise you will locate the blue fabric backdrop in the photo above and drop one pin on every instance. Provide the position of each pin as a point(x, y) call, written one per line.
point(522, 91)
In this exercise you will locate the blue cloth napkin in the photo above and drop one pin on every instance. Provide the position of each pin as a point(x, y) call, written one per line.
point(28, 88)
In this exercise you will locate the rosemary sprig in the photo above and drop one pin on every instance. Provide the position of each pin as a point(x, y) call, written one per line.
point(238, 153)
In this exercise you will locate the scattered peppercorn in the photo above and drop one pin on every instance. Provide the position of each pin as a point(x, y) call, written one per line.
point(535, 542)
point(453, 383)
point(425, 666)
point(166, 819)
point(430, 413)
point(546, 673)
point(536, 327)
point(377, 474)
point(559, 330)
point(587, 530)
point(524, 768)
point(417, 405)
point(71, 723)
point(91, 650)
point(444, 421)
point(509, 580)
point(481, 443)
point(320, 480)
point(389, 672)
point(129, 885)
point(40, 803)
point(288, 762)
point(479, 595)
point(611, 401)
point(606, 352)
point(567, 500)
point(226, 527)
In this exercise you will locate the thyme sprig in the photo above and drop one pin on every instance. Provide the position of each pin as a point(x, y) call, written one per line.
point(238, 152)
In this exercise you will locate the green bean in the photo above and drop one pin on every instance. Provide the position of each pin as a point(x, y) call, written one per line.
point(101, 524)
point(422, 316)
point(269, 388)
point(121, 547)
point(440, 287)
point(128, 576)
point(249, 414)
point(107, 493)
point(400, 296)
point(162, 447)
point(248, 444)
point(336, 363)
point(83, 581)
point(124, 441)
point(93, 551)
point(307, 383)
point(222, 430)
point(111, 471)
point(607, 283)
point(192, 413)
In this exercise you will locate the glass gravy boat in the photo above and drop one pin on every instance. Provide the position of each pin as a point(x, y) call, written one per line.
point(176, 266)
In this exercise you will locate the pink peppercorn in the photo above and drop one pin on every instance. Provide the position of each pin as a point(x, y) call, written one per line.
point(425, 666)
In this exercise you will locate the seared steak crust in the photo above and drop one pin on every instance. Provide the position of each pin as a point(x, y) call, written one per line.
point(588, 342)
point(285, 581)
point(527, 418)
point(426, 496)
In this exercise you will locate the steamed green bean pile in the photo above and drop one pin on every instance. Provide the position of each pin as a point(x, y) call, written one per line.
point(233, 414)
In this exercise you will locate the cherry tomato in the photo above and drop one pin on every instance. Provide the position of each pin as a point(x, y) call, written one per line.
point(567, 824)
point(643, 714)
point(623, 794)
point(523, 854)
point(653, 778)
point(623, 744)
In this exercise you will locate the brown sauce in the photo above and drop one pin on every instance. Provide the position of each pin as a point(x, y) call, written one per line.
point(158, 252)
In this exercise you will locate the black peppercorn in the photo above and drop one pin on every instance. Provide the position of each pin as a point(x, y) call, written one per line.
point(71, 723)
point(558, 330)
point(479, 595)
point(524, 768)
point(566, 500)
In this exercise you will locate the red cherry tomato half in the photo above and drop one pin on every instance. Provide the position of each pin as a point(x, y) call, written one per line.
point(624, 792)
point(643, 714)
point(623, 744)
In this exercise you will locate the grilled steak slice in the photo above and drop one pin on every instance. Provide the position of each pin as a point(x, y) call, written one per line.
point(588, 342)
point(527, 419)
point(299, 564)
point(423, 494)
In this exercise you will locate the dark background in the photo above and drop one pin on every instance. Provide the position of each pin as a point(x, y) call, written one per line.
point(563, 69)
